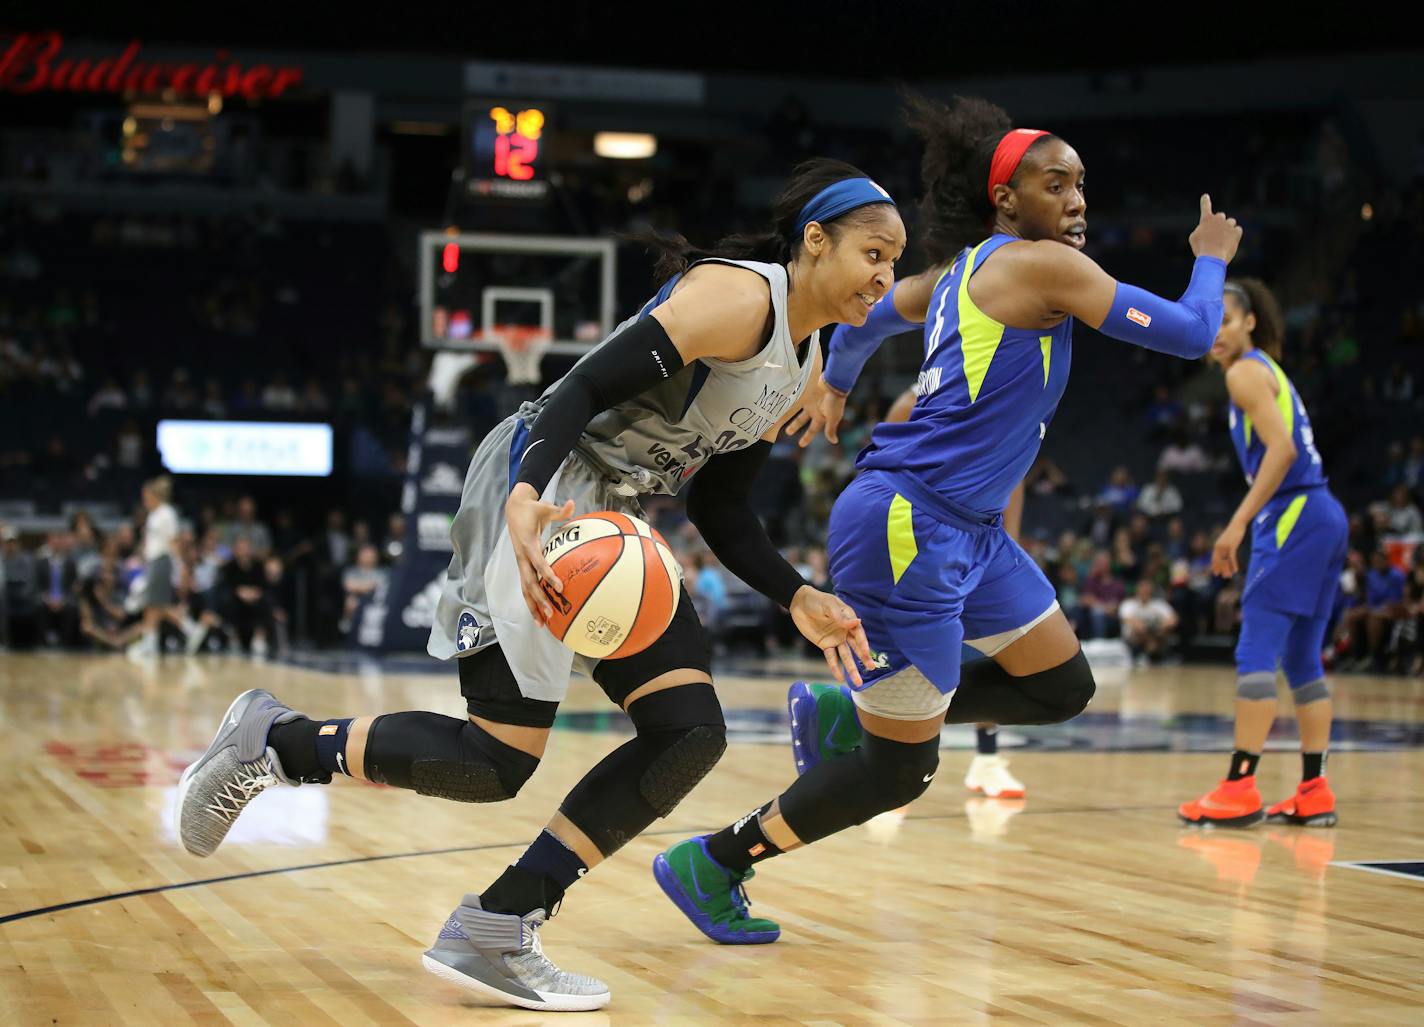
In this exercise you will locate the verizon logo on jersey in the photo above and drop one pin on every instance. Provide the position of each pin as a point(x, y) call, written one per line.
point(928, 382)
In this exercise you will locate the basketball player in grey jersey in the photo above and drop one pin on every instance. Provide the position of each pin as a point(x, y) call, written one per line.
point(691, 390)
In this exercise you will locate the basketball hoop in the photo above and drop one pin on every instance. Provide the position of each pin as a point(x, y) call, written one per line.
point(523, 347)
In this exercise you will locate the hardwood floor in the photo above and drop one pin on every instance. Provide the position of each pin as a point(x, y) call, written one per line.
point(1083, 903)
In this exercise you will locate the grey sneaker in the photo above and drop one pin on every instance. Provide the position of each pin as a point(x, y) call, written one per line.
point(498, 955)
point(238, 765)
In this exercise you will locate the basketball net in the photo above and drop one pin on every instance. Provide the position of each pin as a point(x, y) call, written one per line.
point(523, 347)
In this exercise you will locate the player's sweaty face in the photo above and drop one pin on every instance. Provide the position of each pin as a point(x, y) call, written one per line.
point(862, 268)
point(1051, 194)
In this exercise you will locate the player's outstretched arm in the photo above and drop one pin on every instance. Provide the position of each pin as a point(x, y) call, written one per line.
point(1071, 282)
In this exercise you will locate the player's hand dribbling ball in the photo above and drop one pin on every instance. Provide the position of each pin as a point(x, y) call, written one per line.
point(620, 585)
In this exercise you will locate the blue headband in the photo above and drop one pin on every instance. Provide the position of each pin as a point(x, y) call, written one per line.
point(840, 198)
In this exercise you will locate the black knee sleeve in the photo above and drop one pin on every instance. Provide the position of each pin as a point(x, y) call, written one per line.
point(681, 736)
point(835, 794)
point(445, 757)
point(1065, 689)
point(989, 694)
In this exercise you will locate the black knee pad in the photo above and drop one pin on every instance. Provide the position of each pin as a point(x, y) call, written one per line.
point(693, 735)
point(899, 771)
point(681, 736)
point(445, 758)
point(1065, 690)
point(879, 776)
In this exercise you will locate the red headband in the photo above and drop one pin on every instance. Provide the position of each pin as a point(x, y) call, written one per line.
point(1007, 155)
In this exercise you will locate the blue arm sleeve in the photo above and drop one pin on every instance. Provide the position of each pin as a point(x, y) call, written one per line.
point(1185, 328)
point(851, 347)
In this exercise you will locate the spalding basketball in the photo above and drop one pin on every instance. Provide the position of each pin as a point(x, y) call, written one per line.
point(621, 585)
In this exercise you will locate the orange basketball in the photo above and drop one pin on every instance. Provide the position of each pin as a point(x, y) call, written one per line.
point(621, 585)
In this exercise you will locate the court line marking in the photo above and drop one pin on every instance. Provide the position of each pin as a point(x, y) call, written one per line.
point(1351, 864)
point(95, 900)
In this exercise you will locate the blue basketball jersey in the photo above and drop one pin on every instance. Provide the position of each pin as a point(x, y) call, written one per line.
point(986, 394)
point(1307, 471)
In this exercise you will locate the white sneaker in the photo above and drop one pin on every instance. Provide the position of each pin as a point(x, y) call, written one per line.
point(259, 648)
point(989, 775)
point(196, 638)
point(146, 648)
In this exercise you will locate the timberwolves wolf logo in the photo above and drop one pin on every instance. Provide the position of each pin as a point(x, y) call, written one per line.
point(467, 636)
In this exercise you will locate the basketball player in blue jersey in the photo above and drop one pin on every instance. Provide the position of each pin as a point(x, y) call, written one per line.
point(823, 719)
point(688, 392)
point(917, 544)
point(1298, 547)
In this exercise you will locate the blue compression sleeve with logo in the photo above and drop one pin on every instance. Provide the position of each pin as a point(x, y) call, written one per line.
point(1185, 328)
point(851, 347)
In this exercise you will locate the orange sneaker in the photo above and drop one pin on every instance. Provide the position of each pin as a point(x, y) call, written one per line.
point(1312, 805)
point(1230, 804)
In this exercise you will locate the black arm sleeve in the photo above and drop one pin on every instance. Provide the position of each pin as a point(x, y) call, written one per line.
point(631, 362)
point(717, 505)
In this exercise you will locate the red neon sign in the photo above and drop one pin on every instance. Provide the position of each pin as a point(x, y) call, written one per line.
point(33, 62)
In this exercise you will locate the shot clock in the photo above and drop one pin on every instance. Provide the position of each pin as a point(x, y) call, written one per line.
point(505, 144)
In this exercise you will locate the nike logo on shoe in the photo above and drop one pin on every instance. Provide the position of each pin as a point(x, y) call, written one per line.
point(702, 896)
point(1209, 803)
point(927, 778)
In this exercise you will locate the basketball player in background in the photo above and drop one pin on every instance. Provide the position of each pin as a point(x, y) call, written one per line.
point(694, 386)
point(916, 542)
point(160, 531)
point(1299, 540)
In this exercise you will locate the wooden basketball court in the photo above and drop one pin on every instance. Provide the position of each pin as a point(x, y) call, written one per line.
point(1084, 903)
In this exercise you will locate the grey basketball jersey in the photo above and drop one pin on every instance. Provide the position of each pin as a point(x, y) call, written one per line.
point(655, 441)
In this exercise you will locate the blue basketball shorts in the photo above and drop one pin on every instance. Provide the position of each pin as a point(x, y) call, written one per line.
point(926, 575)
point(1298, 547)
point(1299, 543)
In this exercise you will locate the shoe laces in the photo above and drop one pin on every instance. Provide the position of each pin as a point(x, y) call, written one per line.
point(741, 902)
point(532, 922)
point(249, 779)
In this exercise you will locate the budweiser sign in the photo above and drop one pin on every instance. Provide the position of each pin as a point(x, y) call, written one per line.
point(34, 62)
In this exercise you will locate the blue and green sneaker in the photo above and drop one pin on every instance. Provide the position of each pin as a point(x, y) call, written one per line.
point(823, 723)
point(711, 896)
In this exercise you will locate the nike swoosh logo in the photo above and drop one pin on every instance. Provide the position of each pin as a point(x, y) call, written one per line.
point(702, 896)
point(826, 742)
point(530, 450)
point(1209, 804)
point(927, 778)
point(341, 764)
point(776, 366)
